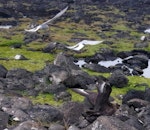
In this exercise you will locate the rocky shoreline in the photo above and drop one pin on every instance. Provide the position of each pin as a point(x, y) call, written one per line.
point(99, 111)
point(18, 112)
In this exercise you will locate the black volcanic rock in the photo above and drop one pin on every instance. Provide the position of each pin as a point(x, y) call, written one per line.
point(3, 71)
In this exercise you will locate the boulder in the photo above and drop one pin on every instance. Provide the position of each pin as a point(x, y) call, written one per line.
point(72, 112)
point(118, 79)
point(4, 117)
point(29, 125)
point(45, 114)
point(133, 94)
point(109, 123)
point(96, 68)
point(3, 71)
point(140, 61)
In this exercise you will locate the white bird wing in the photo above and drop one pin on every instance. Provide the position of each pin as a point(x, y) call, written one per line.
point(90, 42)
point(147, 30)
point(81, 44)
point(79, 47)
point(80, 91)
point(72, 47)
point(56, 16)
point(33, 29)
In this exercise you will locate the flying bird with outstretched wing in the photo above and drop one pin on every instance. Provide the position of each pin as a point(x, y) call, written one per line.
point(81, 44)
point(147, 31)
point(45, 24)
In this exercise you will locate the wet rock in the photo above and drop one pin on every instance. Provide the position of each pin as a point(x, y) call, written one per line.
point(3, 120)
point(137, 71)
point(108, 54)
point(3, 71)
point(137, 103)
point(140, 61)
point(118, 79)
point(95, 59)
point(133, 94)
point(97, 68)
point(79, 81)
point(45, 114)
point(107, 123)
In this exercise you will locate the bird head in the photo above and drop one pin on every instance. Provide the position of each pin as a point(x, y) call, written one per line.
point(103, 87)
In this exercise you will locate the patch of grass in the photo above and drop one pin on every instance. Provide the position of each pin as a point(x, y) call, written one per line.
point(134, 81)
point(64, 32)
point(123, 45)
point(45, 99)
point(10, 38)
point(49, 98)
point(36, 59)
point(75, 96)
point(67, 32)
point(120, 27)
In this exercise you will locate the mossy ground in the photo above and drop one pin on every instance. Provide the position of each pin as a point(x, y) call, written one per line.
point(64, 31)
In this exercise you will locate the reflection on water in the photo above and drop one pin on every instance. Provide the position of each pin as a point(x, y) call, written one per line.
point(5, 26)
point(110, 63)
point(80, 63)
point(146, 71)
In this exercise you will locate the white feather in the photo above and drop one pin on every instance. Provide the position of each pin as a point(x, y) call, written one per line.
point(81, 44)
point(45, 24)
point(102, 87)
point(80, 91)
point(147, 30)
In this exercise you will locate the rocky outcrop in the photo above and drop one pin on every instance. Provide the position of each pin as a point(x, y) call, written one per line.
point(97, 111)
point(17, 85)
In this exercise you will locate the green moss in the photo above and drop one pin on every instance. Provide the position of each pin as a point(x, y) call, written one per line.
point(135, 83)
point(121, 27)
point(75, 96)
point(36, 59)
point(45, 99)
